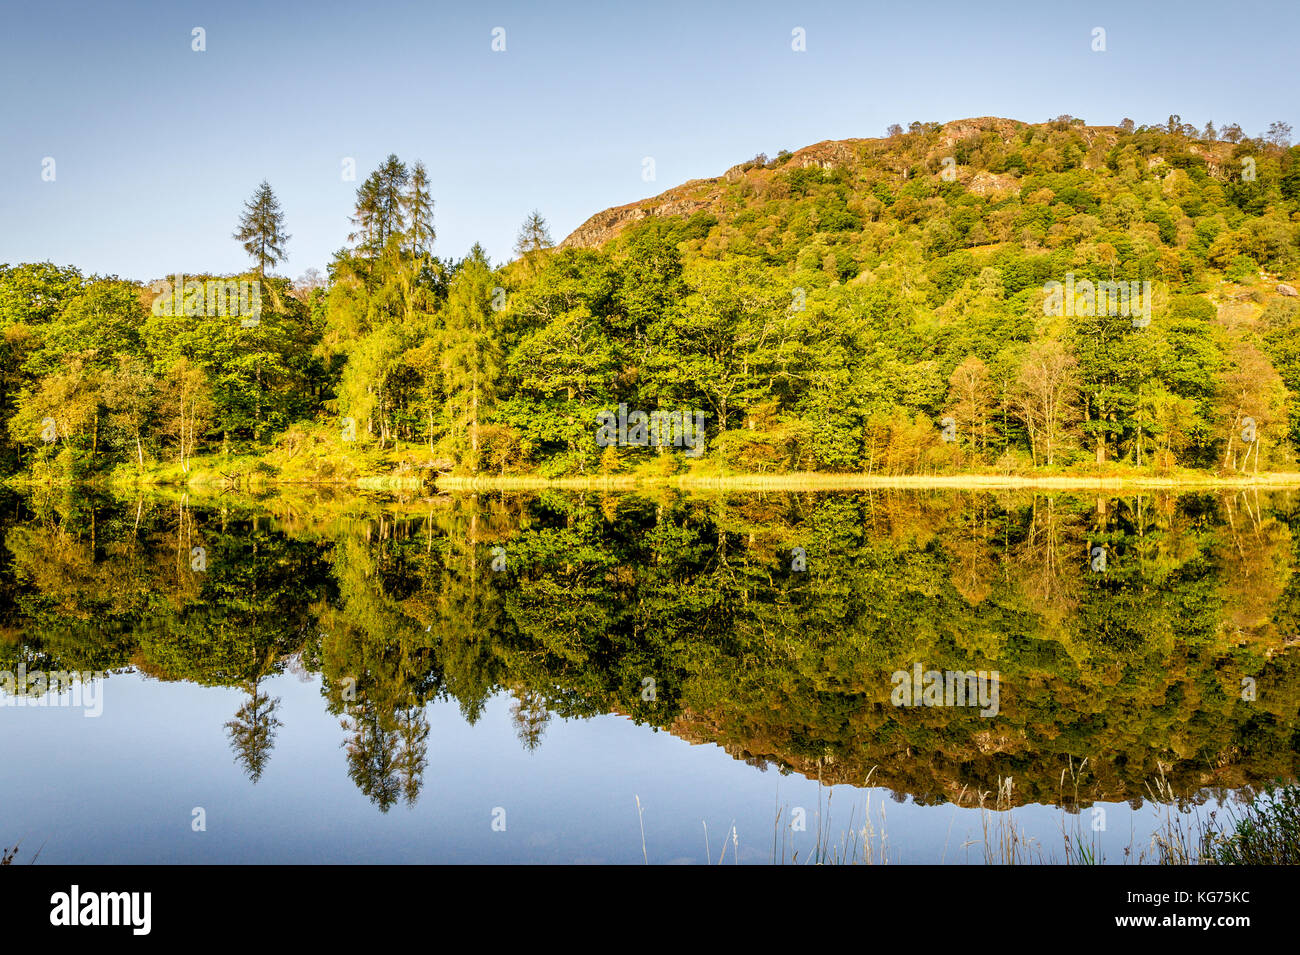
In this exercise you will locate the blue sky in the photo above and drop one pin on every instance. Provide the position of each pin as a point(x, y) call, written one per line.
point(156, 146)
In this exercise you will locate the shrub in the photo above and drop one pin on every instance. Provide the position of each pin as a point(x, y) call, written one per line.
point(1268, 834)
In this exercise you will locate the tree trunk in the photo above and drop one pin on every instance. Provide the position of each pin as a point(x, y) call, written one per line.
point(473, 427)
point(1232, 433)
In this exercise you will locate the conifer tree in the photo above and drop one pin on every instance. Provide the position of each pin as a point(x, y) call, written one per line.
point(380, 213)
point(534, 237)
point(417, 206)
point(261, 229)
point(472, 361)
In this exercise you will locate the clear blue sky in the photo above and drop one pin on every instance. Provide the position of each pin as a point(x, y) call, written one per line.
point(156, 146)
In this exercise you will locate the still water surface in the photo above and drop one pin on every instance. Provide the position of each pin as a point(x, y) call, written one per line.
point(499, 678)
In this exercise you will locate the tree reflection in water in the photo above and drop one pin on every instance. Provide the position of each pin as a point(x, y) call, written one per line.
point(394, 604)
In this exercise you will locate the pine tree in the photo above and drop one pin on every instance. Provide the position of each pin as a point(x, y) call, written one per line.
point(417, 205)
point(252, 732)
point(366, 214)
point(261, 228)
point(534, 237)
point(380, 213)
point(472, 359)
point(393, 177)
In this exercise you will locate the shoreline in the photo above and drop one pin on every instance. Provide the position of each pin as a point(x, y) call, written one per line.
point(798, 481)
point(817, 481)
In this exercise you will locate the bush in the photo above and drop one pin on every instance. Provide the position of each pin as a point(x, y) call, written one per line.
point(567, 463)
point(780, 446)
point(71, 463)
point(1269, 833)
point(609, 460)
point(1242, 268)
point(501, 447)
point(672, 461)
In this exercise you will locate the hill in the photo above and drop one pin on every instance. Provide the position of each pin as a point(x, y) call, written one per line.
point(983, 296)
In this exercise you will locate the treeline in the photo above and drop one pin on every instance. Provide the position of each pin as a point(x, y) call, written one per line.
point(872, 305)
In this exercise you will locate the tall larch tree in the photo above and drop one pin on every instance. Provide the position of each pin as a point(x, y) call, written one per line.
point(417, 204)
point(261, 229)
point(471, 360)
point(534, 238)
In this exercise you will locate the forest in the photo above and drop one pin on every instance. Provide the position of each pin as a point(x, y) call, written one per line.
point(872, 306)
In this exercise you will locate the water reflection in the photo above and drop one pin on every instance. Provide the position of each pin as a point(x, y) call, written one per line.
point(1140, 638)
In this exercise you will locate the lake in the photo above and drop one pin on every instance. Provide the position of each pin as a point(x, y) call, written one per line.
point(318, 676)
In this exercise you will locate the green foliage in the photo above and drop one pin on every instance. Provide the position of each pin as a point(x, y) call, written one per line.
point(1138, 668)
point(816, 306)
point(1267, 834)
point(261, 229)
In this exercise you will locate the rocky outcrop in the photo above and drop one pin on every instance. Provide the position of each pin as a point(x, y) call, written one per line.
point(896, 155)
point(683, 200)
point(830, 154)
point(704, 194)
point(604, 226)
point(985, 183)
point(960, 129)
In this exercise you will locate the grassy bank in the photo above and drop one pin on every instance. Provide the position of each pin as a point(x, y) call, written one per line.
point(253, 474)
point(1263, 831)
point(817, 481)
point(312, 456)
point(303, 456)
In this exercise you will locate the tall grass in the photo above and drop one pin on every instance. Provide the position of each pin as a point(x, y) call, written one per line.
point(863, 844)
point(7, 855)
point(1266, 832)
